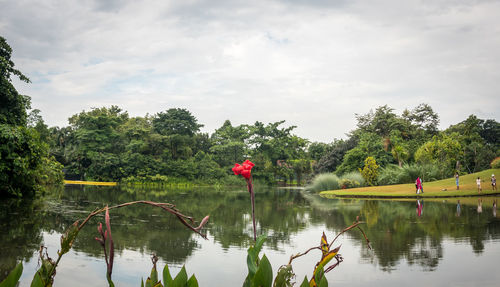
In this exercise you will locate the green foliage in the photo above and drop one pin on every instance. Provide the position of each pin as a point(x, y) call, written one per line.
point(14, 106)
point(324, 181)
point(300, 167)
point(355, 176)
point(479, 141)
point(393, 174)
point(24, 162)
point(442, 151)
point(260, 272)
point(13, 277)
point(181, 280)
point(176, 122)
point(370, 145)
point(348, 183)
point(370, 171)
point(495, 163)
point(284, 277)
point(334, 155)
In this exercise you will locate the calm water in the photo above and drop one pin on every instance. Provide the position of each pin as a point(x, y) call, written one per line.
point(439, 247)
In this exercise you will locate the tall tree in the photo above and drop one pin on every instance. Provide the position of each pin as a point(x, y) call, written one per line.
point(24, 162)
point(13, 110)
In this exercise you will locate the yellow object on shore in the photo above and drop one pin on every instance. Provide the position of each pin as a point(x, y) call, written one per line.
point(90, 182)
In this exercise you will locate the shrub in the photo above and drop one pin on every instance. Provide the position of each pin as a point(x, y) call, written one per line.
point(324, 181)
point(356, 177)
point(370, 170)
point(393, 174)
point(495, 163)
point(349, 183)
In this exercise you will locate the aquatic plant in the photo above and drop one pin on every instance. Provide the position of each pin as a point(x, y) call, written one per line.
point(245, 170)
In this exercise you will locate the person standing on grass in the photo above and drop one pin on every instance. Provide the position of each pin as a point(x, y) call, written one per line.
point(478, 183)
point(418, 182)
point(493, 182)
point(456, 179)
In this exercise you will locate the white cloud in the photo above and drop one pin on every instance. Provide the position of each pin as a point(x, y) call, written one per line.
point(313, 64)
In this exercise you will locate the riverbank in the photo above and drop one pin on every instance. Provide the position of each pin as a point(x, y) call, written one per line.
point(441, 188)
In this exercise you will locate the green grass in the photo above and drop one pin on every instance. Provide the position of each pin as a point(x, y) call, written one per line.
point(439, 188)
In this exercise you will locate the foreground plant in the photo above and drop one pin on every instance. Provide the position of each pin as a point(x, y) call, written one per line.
point(102, 240)
point(260, 272)
point(44, 277)
point(245, 170)
point(181, 280)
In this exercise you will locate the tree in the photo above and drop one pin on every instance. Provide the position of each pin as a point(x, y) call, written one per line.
point(479, 142)
point(229, 144)
point(14, 106)
point(423, 117)
point(276, 145)
point(178, 127)
point(380, 122)
point(176, 121)
point(399, 148)
point(370, 145)
point(443, 151)
point(370, 170)
point(300, 167)
point(24, 161)
point(317, 150)
point(99, 143)
point(335, 155)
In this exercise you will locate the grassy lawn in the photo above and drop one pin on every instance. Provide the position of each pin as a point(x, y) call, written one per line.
point(440, 188)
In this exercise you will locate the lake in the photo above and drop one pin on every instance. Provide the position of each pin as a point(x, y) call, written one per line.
point(428, 243)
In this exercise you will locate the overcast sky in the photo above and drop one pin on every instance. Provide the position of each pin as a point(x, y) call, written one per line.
point(312, 63)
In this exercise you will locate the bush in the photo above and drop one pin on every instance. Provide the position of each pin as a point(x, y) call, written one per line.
point(348, 183)
point(324, 181)
point(393, 174)
point(495, 163)
point(370, 170)
point(355, 177)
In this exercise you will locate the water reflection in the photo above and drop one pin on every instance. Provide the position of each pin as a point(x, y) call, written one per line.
point(399, 231)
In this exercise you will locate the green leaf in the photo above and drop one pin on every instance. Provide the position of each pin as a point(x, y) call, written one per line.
point(37, 280)
point(264, 275)
point(251, 264)
point(305, 283)
point(153, 276)
point(258, 244)
point(192, 282)
point(142, 282)
point(284, 277)
point(323, 282)
point(253, 255)
point(319, 274)
point(13, 277)
point(167, 278)
point(68, 238)
point(181, 279)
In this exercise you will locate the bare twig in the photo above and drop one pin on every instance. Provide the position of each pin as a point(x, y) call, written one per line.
point(354, 225)
point(302, 254)
point(165, 206)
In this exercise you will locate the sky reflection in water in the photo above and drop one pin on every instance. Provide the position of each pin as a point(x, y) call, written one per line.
point(436, 248)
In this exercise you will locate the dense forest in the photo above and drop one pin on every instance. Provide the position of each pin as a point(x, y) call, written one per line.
point(106, 144)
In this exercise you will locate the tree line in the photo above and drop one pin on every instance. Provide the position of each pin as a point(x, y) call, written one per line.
point(106, 144)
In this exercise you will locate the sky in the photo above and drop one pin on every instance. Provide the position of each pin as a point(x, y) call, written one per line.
point(314, 64)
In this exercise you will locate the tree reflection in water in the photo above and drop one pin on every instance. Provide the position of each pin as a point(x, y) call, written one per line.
point(395, 229)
